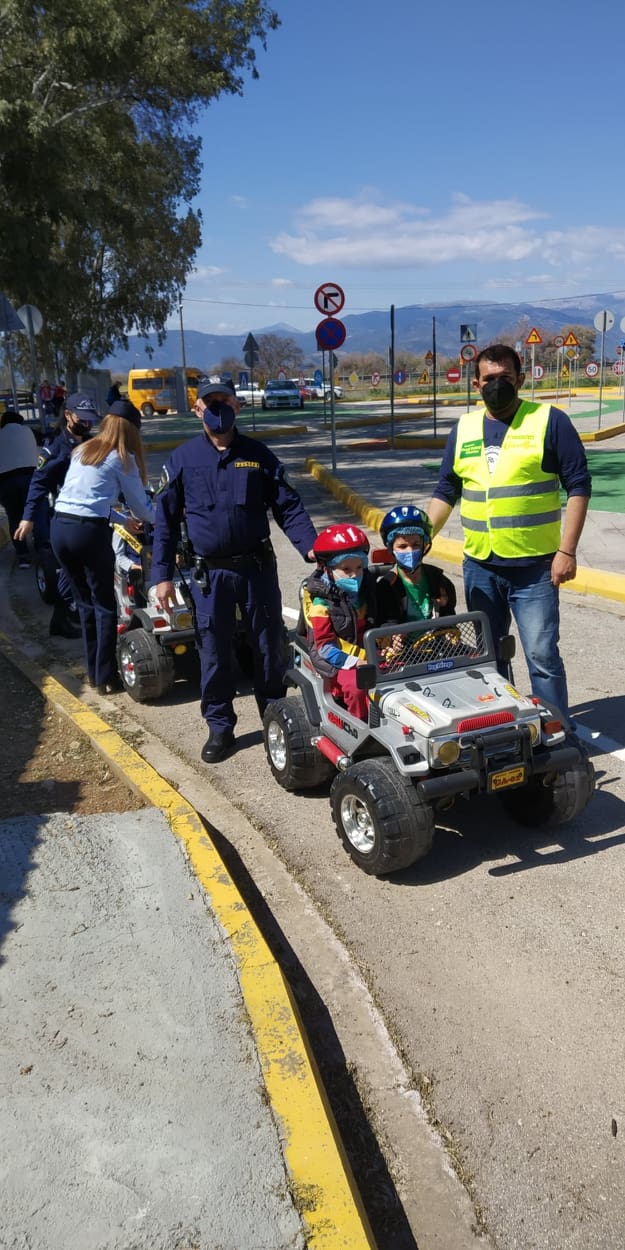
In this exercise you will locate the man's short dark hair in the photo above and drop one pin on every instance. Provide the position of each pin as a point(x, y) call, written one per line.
point(498, 354)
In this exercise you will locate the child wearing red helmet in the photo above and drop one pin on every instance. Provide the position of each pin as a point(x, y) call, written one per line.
point(342, 607)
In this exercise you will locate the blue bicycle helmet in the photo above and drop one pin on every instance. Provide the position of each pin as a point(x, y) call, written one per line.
point(406, 519)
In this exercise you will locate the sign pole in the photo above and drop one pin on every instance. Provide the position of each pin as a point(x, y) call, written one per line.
point(33, 365)
point(571, 368)
point(434, 372)
point(392, 367)
point(533, 379)
point(467, 366)
point(332, 418)
point(601, 372)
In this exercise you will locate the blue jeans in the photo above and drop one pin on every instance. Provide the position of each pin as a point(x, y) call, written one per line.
point(526, 593)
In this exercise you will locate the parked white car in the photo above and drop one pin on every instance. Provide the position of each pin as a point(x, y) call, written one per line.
point(245, 393)
point(282, 395)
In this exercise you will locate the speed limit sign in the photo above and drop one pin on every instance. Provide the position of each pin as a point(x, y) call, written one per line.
point(468, 352)
point(592, 369)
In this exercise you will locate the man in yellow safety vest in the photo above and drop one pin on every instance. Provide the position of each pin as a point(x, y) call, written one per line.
point(506, 465)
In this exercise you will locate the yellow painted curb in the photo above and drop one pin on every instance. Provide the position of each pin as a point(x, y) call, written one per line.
point(610, 431)
point(322, 1185)
point(587, 582)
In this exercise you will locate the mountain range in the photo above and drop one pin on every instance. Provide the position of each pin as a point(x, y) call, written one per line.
point(370, 332)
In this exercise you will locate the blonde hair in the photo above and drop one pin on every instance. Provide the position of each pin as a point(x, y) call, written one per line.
point(115, 434)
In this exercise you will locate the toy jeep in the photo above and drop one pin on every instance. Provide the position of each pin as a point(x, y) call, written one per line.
point(443, 724)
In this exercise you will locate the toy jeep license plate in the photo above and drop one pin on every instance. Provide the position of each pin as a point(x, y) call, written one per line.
point(506, 777)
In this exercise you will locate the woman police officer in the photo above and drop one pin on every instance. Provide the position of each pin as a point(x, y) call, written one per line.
point(106, 466)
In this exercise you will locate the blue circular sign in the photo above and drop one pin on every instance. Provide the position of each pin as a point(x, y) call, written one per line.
point(331, 333)
point(399, 376)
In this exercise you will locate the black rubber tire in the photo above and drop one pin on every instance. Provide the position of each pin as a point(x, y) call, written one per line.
point(147, 670)
point(542, 806)
point(401, 824)
point(286, 725)
point(46, 574)
point(147, 410)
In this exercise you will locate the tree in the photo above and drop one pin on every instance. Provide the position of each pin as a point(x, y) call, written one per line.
point(276, 352)
point(98, 160)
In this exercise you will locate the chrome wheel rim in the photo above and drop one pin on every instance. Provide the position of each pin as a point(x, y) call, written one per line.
point(276, 745)
point(127, 668)
point(357, 823)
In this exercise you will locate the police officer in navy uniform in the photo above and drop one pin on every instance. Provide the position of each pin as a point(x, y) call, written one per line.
point(53, 462)
point(223, 484)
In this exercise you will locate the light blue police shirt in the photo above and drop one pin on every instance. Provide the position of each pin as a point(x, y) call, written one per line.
point(90, 490)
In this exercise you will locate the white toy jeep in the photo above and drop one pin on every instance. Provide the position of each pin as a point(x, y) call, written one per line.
point(443, 724)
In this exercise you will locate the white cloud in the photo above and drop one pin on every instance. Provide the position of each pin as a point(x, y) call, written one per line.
point(204, 272)
point(367, 232)
point(281, 282)
point(241, 201)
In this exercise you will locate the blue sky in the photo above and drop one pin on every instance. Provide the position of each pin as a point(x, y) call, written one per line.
point(415, 154)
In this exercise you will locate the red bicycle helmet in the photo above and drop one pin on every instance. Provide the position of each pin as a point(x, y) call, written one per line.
point(337, 540)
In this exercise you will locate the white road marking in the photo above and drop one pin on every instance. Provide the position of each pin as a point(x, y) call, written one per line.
point(607, 746)
point(290, 612)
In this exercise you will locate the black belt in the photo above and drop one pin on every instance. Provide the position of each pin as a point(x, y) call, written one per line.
point(83, 520)
point(262, 554)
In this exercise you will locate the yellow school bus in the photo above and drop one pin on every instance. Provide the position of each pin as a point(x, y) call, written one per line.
point(154, 390)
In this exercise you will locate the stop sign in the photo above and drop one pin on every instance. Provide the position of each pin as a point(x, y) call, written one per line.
point(453, 374)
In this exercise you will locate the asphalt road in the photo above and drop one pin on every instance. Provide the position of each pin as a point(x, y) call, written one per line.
point(497, 963)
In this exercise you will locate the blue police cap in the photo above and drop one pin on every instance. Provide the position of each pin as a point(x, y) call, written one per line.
point(124, 408)
point(83, 406)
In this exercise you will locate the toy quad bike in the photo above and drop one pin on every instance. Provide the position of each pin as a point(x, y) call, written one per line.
point(442, 723)
point(154, 646)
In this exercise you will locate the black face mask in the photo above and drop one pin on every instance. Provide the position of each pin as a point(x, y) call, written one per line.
point(498, 394)
point(79, 430)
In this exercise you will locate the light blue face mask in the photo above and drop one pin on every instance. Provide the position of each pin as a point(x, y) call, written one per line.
point(351, 585)
point(409, 560)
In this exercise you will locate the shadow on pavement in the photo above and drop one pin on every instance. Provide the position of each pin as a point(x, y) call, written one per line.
point(375, 1185)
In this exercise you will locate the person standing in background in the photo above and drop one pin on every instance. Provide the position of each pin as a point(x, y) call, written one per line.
point(18, 457)
point(107, 466)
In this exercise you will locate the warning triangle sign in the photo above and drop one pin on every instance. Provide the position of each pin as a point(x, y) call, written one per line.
point(425, 377)
point(570, 340)
point(565, 371)
point(533, 336)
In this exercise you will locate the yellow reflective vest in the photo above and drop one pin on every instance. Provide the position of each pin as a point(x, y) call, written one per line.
point(515, 511)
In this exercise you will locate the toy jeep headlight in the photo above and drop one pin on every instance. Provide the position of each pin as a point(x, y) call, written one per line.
point(181, 619)
point(444, 753)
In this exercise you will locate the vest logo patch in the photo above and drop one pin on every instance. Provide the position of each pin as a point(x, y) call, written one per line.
point(247, 464)
point(472, 449)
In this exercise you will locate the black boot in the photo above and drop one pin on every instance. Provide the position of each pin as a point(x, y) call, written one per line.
point(217, 746)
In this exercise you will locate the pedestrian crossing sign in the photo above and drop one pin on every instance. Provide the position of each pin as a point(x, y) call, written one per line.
point(570, 340)
point(468, 334)
point(533, 337)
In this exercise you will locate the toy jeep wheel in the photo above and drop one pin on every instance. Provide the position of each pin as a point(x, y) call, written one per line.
point(46, 574)
point(379, 817)
point(146, 669)
point(295, 763)
point(559, 801)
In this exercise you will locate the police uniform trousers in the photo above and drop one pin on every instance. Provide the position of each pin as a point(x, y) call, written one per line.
point(41, 537)
point(84, 549)
point(256, 591)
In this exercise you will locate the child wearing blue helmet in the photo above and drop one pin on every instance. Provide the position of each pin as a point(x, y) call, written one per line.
point(412, 590)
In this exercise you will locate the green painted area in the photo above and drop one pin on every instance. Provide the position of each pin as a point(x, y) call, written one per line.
point(608, 480)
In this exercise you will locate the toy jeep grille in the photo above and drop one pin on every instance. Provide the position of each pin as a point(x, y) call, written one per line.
point(430, 646)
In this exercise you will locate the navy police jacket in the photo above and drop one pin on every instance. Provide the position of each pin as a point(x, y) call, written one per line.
point(52, 465)
point(224, 497)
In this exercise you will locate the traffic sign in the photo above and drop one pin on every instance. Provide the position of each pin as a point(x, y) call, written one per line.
point(375, 379)
point(329, 298)
point(539, 372)
point(468, 334)
point(618, 367)
point(533, 337)
point(559, 340)
point(429, 357)
point(243, 378)
point(468, 352)
point(251, 351)
point(619, 349)
point(565, 370)
point(30, 318)
point(318, 377)
point(592, 369)
point(454, 374)
point(330, 333)
point(353, 379)
point(572, 353)
point(424, 379)
point(571, 340)
point(604, 320)
point(9, 319)
point(399, 376)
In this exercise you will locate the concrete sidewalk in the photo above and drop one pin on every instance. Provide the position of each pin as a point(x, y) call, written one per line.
point(158, 1090)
